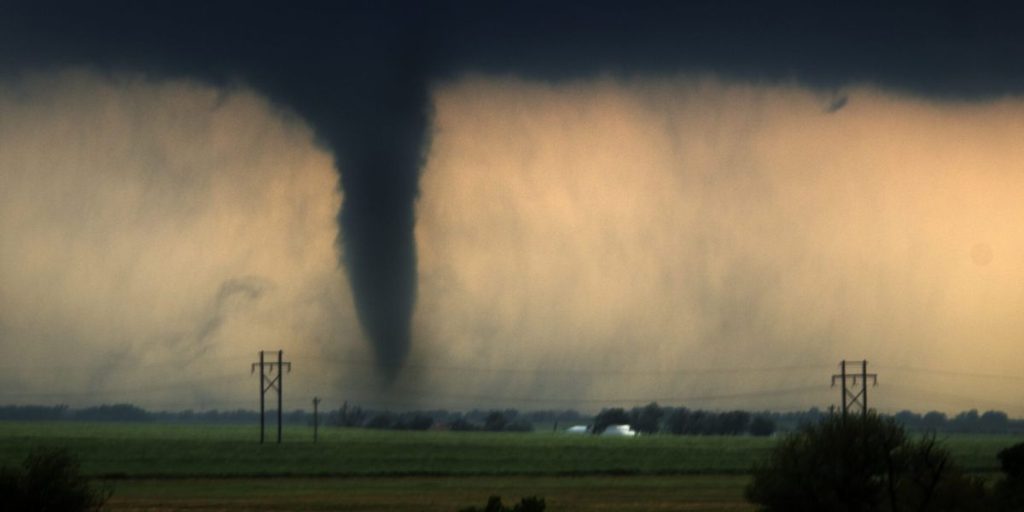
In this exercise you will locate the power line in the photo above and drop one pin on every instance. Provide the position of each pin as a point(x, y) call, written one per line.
point(613, 400)
point(951, 398)
point(913, 369)
point(563, 371)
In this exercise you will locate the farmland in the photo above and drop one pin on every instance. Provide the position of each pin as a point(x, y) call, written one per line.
point(154, 466)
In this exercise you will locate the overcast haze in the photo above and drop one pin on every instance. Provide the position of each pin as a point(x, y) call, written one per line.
point(684, 238)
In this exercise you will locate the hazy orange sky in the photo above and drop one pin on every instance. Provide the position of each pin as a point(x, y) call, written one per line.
point(685, 239)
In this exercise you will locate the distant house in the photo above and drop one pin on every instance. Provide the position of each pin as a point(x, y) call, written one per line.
point(619, 431)
point(578, 429)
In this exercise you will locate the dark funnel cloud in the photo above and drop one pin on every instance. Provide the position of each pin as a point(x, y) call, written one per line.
point(360, 73)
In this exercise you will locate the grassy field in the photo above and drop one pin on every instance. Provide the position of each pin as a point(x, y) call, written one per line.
point(435, 494)
point(175, 467)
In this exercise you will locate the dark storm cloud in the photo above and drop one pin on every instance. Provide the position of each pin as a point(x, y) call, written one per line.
point(360, 73)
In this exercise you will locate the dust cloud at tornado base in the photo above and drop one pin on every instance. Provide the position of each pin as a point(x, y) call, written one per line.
point(582, 244)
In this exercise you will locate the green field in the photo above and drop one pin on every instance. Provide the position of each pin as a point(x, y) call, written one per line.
point(164, 467)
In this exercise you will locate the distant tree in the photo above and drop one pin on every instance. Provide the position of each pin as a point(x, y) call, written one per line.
point(50, 479)
point(934, 421)
point(993, 422)
point(607, 417)
point(413, 421)
point(646, 419)
point(862, 464)
point(347, 416)
point(908, 419)
point(519, 425)
point(552, 416)
point(116, 412)
point(701, 423)
point(966, 421)
point(382, 420)
point(678, 421)
point(461, 424)
point(33, 412)
point(732, 423)
point(762, 426)
point(495, 421)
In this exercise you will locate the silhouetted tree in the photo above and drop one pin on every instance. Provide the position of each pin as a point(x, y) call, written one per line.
point(463, 425)
point(606, 417)
point(50, 479)
point(678, 421)
point(646, 419)
point(413, 421)
point(993, 422)
point(732, 423)
point(495, 421)
point(762, 426)
point(861, 464)
point(1010, 490)
point(382, 420)
point(347, 416)
point(33, 412)
point(116, 412)
point(934, 420)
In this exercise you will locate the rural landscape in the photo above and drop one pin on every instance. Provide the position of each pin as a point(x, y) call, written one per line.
point(222, 467)
point(511, 256)
point(181, 462)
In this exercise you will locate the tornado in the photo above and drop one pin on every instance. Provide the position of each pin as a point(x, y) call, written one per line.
point(379, 162)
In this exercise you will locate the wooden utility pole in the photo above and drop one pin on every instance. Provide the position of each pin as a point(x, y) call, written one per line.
point(316, 417)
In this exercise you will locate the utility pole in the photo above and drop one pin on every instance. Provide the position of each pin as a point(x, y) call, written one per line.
point(849, 399)
point(316, 417)
point(268, 369)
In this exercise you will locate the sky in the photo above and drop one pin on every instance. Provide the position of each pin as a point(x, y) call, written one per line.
point(441, 205)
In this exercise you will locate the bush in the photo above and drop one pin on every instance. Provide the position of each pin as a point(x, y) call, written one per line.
point(50, 479)
point(861, 464)
point(1010, 490)
point(530, 504)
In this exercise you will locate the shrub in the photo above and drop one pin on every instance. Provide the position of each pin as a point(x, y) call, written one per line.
point(861, 464)
point(1010, 490)
point(50, 479)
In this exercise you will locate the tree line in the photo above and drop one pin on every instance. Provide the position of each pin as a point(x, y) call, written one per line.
point(648, 419)
point(653, 419)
